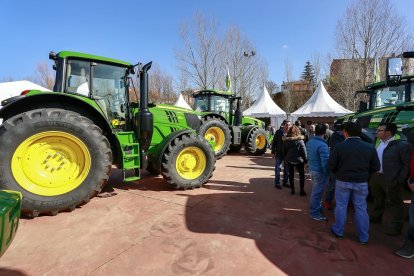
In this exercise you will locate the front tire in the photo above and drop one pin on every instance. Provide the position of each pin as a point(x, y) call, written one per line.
point(217, 131)
point(188, 162)
point(56, 158)
point(256, 143)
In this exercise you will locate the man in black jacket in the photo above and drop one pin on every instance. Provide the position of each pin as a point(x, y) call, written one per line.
point(277, 151)
point(395, 156)
point(352, 161)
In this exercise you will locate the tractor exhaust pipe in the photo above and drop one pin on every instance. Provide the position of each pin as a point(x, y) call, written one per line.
point(144, 116)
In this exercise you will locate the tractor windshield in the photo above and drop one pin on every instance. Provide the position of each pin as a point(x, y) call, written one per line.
point(388, 96)
point(219, 104)
point(108, 86)
point(201, 103)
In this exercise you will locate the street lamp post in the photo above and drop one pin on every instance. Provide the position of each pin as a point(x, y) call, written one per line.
point(249, 54)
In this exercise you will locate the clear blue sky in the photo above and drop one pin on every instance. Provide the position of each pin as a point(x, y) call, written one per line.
point(149, 30)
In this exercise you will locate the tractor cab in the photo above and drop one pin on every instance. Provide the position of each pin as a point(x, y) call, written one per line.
point(220, 102)
point(101, 79)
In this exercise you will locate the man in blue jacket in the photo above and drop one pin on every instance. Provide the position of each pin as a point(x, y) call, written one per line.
point(318, 156)
point(352, 162)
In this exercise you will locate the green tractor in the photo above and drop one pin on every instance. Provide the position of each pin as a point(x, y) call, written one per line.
point(224, 124)
point(58, 147)
point(391, 100)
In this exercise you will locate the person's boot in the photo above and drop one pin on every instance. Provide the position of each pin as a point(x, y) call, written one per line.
point(407, 250)
point(292, 191)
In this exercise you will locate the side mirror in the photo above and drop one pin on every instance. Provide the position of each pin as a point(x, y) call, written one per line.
point(394, 71)
point(363, 106)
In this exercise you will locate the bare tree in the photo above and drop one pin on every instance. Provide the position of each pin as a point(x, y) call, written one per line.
point(44, 75)
point(199, 59)
point(343, 84)
point(369, 29)
point(160, 86)
point(248, 71)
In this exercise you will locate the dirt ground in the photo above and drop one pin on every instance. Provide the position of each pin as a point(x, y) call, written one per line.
point(237, 224)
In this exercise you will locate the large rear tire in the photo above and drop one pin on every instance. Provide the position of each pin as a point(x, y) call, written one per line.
point(56, 158)
point(256, 143)
point(214, 129)
point(188, 162)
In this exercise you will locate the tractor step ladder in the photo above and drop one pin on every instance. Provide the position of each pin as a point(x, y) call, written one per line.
point(130, 156)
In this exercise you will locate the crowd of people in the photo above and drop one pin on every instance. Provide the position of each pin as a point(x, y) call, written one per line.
point(345, 169)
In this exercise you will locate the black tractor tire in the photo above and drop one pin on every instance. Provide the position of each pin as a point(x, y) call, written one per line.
point(62, 136)
point(197, 152)
point(152, 169)
point(235, 148)
point(217, 130)
point(256, 142)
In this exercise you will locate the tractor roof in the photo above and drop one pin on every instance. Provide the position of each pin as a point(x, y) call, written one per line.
point(65, 54)
point(376, 85)
point(211, 91)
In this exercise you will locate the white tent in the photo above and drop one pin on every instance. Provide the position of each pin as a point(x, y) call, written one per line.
point(14, 88)
point(266, 107)
point(182, 103)
point(321, 104)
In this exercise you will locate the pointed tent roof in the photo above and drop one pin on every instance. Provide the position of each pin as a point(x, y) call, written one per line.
point(182, 103)
point(264, 107)
point(321, 104)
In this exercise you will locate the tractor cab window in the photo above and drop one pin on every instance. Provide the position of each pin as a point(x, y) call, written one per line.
point(77, 77)
point(109, 90)
point(219, 104)
point(388, 96)
point(201, 103)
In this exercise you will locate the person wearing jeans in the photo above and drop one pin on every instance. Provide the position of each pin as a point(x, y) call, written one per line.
point(277, 151)
point(357, 192)
point(318, 156)
point(352, 162)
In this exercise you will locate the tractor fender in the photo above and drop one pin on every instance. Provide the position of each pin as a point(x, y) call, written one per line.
point(155, 153)
point(22, 104)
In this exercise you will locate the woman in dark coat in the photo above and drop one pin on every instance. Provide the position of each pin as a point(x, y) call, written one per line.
point(295, 155)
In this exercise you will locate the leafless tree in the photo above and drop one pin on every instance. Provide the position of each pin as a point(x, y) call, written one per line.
point(44, 75)
point(199, 58)
point(343, 84)
point(369, 29)
point(160, 86)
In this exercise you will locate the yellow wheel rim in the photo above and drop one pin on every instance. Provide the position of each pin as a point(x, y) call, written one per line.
point(51, 163)
point(191, 163)
point(216, 135)
point(260, 141)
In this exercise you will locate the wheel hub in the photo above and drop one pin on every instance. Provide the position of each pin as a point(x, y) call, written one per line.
point(191, 163)
point(51, 163)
